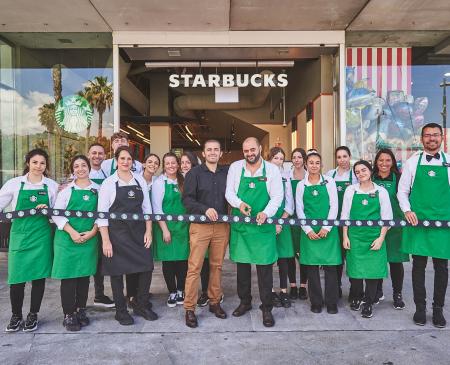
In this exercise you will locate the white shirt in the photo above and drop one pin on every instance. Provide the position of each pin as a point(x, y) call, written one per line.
point(343, 177)
point(385, 202)
point(291, 174)
point(288, 196)
point(98, 174)
point(106, 166)
point(158, 191)
point(62, 200)
point(10, 191)
point(107, 195)
point(274, 185)
point(408, 174)
point(332, 194)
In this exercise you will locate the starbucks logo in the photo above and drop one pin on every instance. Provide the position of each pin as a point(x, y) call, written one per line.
point(33, 198)
point(431, 173)
point(131, 193)
point(365, 202)
point(315, 193)
point(175, 189)
point(73, 113)
point(339, 188)
point(86, 197)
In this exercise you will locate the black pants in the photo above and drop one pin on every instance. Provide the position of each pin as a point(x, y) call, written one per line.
point(99, 279)
point(144, 281)
point(315, 288)
point(283, 272)
point(357, 289)
point(174, 273)
point(132, 281)
point(397, 275)
point(265, 283)
point(74, 294)
point(17, 293)
point(440, 280)
point(204, 276)
point(292, 271)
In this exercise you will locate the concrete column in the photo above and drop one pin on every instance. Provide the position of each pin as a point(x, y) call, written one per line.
point(160, 136)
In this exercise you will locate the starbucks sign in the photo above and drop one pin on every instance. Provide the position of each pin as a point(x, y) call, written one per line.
point(73, 113)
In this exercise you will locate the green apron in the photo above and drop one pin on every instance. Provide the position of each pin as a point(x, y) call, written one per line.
point(178, 248)
point(326, 251)
point(341, 186)
point(113, 169)
point(284, 238)
point(75, 260)
point(394, 235)
point(362, 262)
point(250, 243)
point(424, 241)
point(296, 231)
point(30, 254)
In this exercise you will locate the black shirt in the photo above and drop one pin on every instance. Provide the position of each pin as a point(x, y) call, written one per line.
point(204, 189)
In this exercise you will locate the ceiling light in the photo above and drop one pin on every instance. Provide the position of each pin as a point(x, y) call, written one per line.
point(133, 129)
point(196, 141)
point(124, 131)
point(188, 130)
point(189, 137)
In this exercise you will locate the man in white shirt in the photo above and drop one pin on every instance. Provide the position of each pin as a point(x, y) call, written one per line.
point(109, 166)
point(426, 174)
point(254, 188)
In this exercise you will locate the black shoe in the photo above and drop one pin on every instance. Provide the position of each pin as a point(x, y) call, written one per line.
point(302, 293)
point(420, 317)
point(438, 318)
point(293, 293)
point(398, 301)
point(316, 308)
point(191, 319)
point(172, 300)
point(145, 313)
point(83, 319)
point(71, 322)
point(203, 300)
point(14, 324)
point(104, 301)
point(355, 305)
point(31, 323)
point(180, 298)
point(366, 311)
point(124, 318)
point(284, 298)
point(242, 309)
point(332, 308)
point(268, 320)
point(276, 301)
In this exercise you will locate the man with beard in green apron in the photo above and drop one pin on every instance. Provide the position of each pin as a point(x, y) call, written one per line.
point(426, 175)
point(254, 188)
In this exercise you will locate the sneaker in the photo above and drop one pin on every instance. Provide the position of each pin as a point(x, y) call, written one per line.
point(172, 300)
point(203, 300)
point(221, 299)
point(14, 324)
point(124, 318)
point(31, 323)
point(366, 311)
point(355, 305)
point(438, 318)
point(71, 322)
point(104, 301)
point(145, 313)
point(83, 319)
point(276, 302)
point(420, 316)
point(293, 293)
point(180, 297)
point(398, 301)
point(302, 293)
point(284, 298)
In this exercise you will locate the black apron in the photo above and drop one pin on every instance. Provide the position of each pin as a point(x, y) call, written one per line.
point(127, 237)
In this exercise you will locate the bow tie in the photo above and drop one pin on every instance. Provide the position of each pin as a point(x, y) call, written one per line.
point(437, 156)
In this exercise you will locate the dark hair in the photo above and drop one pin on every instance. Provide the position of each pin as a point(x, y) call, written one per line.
point(212, 140)
point(180, 177)
point(96, 144)
point(150, 155)
point(30, 155)
point(312, 154)
point(123, 148)
point(342, 148)
point(431, 125)
point(79, 157)
point(191, 157)
point(119, 135)
point(365, 163)
point(275, 151)
point(301, 151)
point(394, 167)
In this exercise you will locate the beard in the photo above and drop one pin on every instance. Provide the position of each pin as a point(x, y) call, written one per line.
point(255, 160)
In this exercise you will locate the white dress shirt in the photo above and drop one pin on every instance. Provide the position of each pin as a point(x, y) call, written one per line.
point(408, 174)
point(291, 174)
point(63, 198)
point(274, 185)
point(332, 194)
point(158, 191)
point(98, 174)
point(343, 177)
point(106, 166)
point(107, 195)
point(385, 202)
point(10, 191)
point(288, 196)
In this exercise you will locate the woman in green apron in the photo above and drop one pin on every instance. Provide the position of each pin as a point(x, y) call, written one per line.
point(297, 174)
point(75, 244)
point(366, 249)
point(171, 238)
point(30, 253)
point(316, 198)
point(285, 248)
point(387, 175)
point(343, 176)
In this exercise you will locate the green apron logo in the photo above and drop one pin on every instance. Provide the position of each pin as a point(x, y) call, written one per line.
point(73, 114)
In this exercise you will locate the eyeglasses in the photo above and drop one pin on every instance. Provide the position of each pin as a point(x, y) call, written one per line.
point(435, 135)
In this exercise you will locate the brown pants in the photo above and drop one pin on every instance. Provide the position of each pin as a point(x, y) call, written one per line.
point(214, 236)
